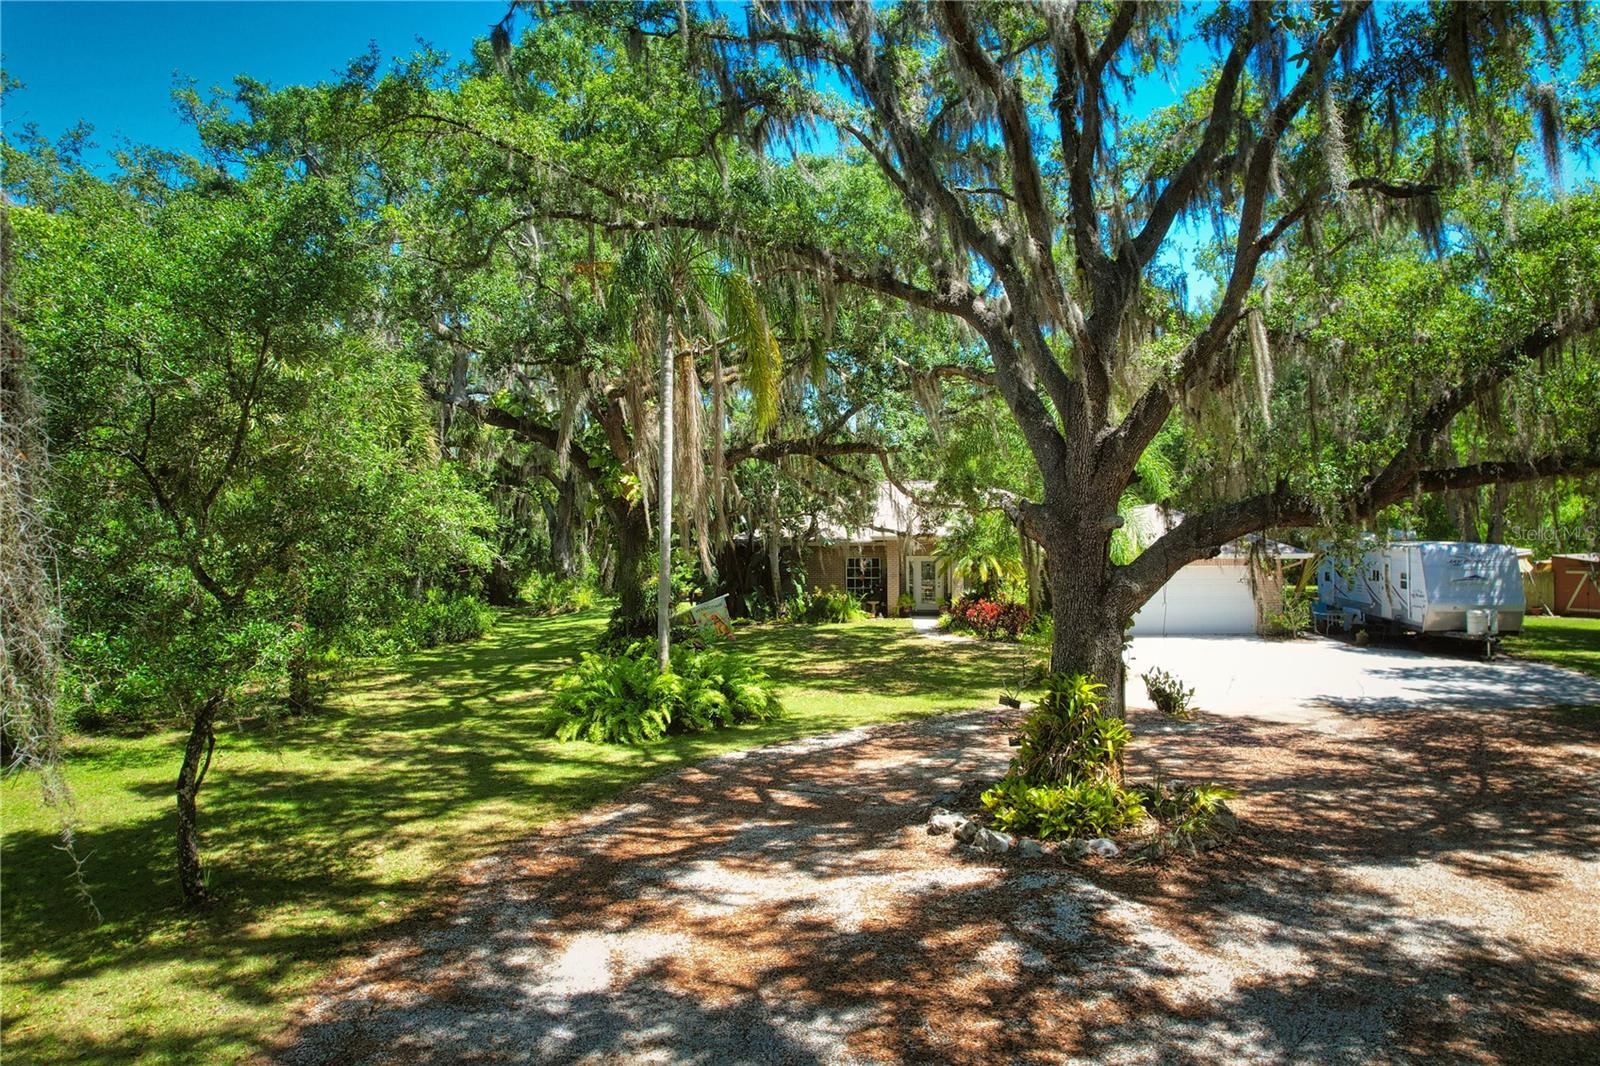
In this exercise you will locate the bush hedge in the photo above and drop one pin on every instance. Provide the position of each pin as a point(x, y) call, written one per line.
point(986, 618)
point(828, 605)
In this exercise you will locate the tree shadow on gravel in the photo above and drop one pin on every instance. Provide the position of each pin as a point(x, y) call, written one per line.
point(788, 907)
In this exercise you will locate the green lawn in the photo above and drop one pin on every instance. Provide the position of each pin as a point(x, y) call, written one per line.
point(1570, 642)
point(321, 832)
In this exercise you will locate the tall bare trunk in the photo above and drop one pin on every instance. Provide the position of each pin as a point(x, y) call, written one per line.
point(664, 526)
point(774, 548)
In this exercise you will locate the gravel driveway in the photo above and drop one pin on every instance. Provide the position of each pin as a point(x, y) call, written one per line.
point(1311, 679)
point(1410, 887)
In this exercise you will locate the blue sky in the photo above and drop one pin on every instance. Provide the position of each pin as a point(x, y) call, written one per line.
point(113, 64)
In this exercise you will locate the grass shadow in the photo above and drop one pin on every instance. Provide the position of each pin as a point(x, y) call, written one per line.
point(321, 831)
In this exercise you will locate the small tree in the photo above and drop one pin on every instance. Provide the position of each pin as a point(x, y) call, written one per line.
point(231, 447)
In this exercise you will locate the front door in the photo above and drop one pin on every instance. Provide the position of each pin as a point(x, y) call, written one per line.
point(923, 573)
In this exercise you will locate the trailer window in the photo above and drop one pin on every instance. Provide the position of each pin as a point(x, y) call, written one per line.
point(1404, 583)
point(1376, 576)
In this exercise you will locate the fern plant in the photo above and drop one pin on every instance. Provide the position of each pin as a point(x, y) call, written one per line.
point(624, 698)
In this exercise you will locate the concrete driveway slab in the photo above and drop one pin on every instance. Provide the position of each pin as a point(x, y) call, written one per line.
point(1311, 679)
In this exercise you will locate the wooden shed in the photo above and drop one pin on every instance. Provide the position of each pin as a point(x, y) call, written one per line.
point(1577, 583)
point(1538, 585)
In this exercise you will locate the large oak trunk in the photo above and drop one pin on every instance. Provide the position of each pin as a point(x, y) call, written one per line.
point(196, 761)
point(633, 557)
point(566, 549)
point(1088, 629)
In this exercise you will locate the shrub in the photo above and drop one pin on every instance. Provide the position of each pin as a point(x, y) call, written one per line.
point(828, 605)
point(548, 594)
point(444, 618)
point(1191, 818)
point(1168, 694)
point(622, 632)
point(624, 698)
point(1293, 619)
point(1191, 809)
point(1066, 738)
point(1065, 780)
point(1080, 808)
point(990, 619)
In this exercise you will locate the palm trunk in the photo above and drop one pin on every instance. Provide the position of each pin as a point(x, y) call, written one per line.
point(664, 525)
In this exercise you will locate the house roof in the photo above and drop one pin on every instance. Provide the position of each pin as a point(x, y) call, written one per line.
point(1148, 522)
point(894, 514)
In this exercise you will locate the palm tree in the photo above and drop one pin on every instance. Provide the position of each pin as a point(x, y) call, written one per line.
point(675, 293)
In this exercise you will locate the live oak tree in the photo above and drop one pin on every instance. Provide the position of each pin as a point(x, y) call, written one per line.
point(542, 322)
point(1044, 200)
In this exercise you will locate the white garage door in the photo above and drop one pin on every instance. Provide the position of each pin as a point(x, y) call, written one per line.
point(1200, 599)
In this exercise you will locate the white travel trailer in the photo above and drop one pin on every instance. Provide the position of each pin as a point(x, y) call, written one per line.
point(1435, 587)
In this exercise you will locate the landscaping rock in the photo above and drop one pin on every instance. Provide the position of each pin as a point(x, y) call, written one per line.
point(1102, 847)
point(945, 822)
point(1032, 849)
point(967, 830)
point(995, 843)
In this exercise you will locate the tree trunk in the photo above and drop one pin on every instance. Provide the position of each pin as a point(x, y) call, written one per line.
point(565, 557)
point(196, 761)
point(1088, 632)
point(664, 525)
point(500, 587)
point(774, 548)
point(301, 700)
point(1463, 508)
point(1499, 501)
point(632, 539)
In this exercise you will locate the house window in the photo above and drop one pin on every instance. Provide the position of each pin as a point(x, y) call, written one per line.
point(863, 577)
